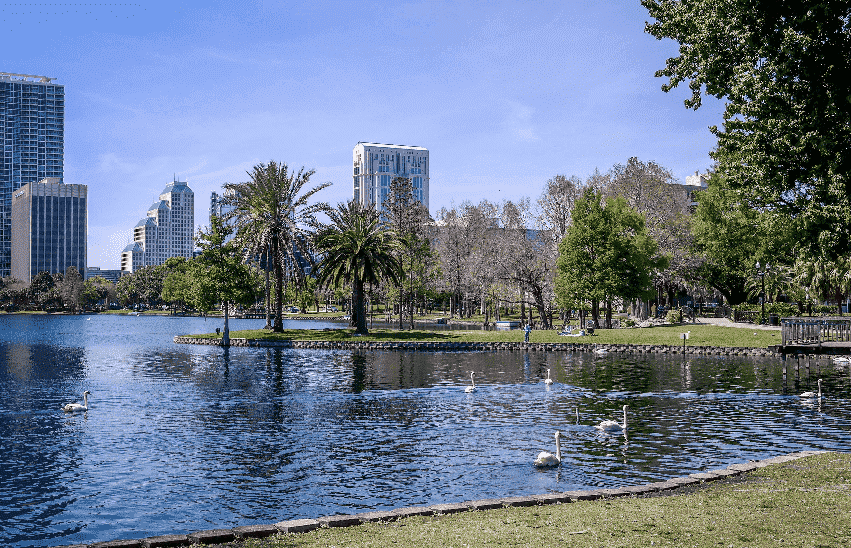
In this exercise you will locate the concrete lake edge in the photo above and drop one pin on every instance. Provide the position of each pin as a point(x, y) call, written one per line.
point(215, 536)
point(439, 346)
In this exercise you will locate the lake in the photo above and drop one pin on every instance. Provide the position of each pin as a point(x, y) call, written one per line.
point(180, 438)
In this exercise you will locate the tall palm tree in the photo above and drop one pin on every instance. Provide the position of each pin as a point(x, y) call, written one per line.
point(357, 250)
point(274, 218)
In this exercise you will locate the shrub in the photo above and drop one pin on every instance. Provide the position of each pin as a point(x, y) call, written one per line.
point(674, 316)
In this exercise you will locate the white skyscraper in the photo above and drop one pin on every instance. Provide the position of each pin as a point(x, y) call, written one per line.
point(375, 165)
point(166, 231)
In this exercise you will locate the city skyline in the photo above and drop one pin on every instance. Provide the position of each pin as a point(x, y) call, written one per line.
point(504, 95)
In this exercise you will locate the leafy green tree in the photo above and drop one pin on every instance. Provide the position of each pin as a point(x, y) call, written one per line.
point(782, 68)
point(731, 237)
point(357, 250)
point(605, 254)
point(177, 284)
point(219, 277)
point(13, 292)
point(41, 290)
point(127, 290)
point(273, 215)
point(98, 289)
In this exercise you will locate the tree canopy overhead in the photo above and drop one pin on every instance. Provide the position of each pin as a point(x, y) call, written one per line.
point(783, 68)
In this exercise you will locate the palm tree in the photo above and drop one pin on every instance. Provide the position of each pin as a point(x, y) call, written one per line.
point(357, 250)
point(273, 218)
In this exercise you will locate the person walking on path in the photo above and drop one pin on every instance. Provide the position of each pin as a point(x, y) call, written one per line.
point(527, 330)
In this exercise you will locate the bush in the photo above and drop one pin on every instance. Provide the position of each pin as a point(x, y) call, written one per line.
point(782, 309)
point(629, 322)
point(674, 316)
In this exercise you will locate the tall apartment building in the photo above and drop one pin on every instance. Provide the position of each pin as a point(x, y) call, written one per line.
point(32, 143)
point(49, 227)
point(375, 165)
point(165, 232)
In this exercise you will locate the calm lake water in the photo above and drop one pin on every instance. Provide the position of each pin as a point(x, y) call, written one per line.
point(182, 438)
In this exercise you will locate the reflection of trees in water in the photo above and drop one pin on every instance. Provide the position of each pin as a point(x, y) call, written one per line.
point(39, 444)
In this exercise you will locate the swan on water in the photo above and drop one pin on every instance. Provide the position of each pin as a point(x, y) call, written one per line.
point(73, 407)
point(545, 458)
point(613, 426)
point(548, 380)
point(811, 395)
point(472, 387)
point(601, 351)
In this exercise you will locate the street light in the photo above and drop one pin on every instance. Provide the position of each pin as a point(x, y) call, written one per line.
point(762, 272)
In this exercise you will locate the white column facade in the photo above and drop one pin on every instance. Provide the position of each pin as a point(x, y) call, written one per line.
point(374, 165)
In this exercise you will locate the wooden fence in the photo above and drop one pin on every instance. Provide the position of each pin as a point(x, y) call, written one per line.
point(802, 331)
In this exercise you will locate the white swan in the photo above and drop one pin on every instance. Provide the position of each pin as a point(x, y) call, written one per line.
point(548, 380)
point(546, 458)
point(812, 395)
point(601, 351)
point(74, 407)
point(472, 387)
point(613, 426)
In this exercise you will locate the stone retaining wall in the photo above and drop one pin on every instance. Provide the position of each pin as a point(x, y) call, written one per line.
point(216, 536)
point(436, 346)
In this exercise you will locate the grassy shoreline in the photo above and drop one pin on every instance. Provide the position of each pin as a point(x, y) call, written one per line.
point(700, 335)
point(806, 502)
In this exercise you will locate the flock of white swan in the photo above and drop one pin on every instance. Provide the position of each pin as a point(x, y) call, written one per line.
point(547, 459)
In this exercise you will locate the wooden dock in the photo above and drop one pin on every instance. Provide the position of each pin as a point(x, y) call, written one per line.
point(829, 335)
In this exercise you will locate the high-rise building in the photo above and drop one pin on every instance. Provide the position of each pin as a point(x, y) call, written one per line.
point(166, 231)
point(375, 165)
point(218, 208)
point(32, 142)
point(49, 226)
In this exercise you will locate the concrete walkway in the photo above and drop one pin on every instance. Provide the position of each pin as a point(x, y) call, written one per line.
point(727, 322)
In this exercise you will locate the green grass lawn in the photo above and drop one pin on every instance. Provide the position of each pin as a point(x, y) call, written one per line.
point(701, 335)
point(806, 502)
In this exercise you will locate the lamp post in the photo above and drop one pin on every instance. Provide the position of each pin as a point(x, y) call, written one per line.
point(761, 271)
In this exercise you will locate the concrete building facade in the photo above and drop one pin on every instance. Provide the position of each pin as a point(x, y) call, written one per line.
point(49, 228)
point(375, 165)
point(166, 231)
point(32, 143)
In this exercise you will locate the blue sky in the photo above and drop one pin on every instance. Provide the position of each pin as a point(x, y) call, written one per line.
point(505, 95)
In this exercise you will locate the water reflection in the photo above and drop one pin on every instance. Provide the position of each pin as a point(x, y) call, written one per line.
point(225, 437)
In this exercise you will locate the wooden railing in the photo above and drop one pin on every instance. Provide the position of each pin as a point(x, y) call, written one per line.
point(815, 330)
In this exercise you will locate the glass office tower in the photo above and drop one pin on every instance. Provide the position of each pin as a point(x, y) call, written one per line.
point(32, 138)
point(49, 226)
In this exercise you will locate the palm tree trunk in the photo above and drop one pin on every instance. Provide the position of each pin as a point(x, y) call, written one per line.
point(279, 290)
point(359, 311)
point(268, 290)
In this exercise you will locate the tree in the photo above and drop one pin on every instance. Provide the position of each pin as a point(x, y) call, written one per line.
point(407, 217)
point(606, 254)
point(357, 250)
point(71, 289)
point(272, 215)
point(177, 283)
point(96, 289)
point(731, 237)
point(526, 258)
point(648, 189)
point(219, 276)
point(556, 203)
point(782, 68)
